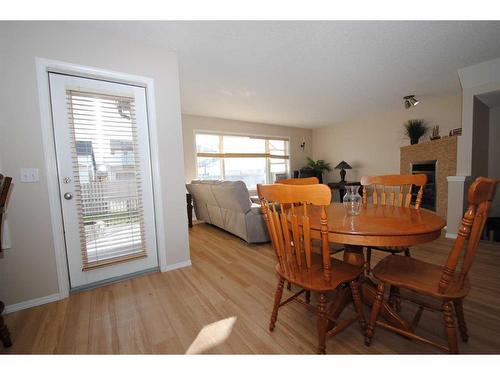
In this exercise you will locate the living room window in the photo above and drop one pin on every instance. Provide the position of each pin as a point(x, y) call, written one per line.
point(252, 159)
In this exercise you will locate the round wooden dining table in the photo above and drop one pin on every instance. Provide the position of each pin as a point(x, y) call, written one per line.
point(375, 226)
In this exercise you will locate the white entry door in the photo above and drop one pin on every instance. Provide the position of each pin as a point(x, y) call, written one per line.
point(104, 167)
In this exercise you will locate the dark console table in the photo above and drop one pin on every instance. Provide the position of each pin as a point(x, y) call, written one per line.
point(189, 207)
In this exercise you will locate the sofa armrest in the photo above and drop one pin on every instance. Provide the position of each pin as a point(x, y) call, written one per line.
point(256, 225)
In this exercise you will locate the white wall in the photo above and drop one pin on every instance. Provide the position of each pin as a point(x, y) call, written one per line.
point(494, 156)
point(475, 80)
point(191, 123)
point(480, 137)
point(28, 269)
point(371, 145)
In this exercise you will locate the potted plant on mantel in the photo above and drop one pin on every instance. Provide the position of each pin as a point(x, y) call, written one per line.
point(415, 129)
point(315, 168)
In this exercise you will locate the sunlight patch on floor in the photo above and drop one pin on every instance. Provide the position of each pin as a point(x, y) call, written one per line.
point(212, 335)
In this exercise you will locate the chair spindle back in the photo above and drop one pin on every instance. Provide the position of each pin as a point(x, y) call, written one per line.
point(286, 212)
point(299, 181)
point(393, 190)
point(480, 195)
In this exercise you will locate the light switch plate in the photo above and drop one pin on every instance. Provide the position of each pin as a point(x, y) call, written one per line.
point(30, 175)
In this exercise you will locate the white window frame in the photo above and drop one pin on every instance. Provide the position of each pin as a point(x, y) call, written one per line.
point(266, 137)
point(43, 67)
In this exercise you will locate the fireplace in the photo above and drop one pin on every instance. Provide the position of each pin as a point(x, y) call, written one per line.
point(429, 197)
point(441, 154)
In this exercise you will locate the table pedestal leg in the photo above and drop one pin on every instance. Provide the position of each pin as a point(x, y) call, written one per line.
point(354, 255)
point(341, 300)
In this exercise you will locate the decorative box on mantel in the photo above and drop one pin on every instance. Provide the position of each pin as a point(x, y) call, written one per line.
point(421, 158)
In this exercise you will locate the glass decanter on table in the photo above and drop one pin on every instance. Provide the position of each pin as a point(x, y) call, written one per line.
point(352, 200)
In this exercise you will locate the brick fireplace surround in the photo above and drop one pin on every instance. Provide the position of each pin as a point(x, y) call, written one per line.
point(444, 151)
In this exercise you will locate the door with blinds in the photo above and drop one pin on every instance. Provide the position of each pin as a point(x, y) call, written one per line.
point(102, 147)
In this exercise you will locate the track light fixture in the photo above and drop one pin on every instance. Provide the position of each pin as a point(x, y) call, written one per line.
point(410, 101)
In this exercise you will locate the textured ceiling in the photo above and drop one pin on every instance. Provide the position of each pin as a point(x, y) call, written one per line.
point(312, 74)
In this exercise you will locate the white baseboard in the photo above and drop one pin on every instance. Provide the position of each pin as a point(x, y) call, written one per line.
point(175, 266)
point(56, 297)
point(32, 303)
point(451, 235)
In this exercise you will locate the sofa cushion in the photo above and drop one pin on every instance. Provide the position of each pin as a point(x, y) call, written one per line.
point(204, 202)
point(235, 222)
point(232, 195)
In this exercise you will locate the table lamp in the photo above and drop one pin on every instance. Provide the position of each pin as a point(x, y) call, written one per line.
point(342, 166)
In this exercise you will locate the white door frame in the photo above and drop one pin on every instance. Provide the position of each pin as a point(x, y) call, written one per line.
point(43, 67)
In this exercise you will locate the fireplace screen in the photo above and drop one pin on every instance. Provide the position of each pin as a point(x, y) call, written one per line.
point(429, 196)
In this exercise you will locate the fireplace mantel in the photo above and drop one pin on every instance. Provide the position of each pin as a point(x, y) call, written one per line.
point(444, 151)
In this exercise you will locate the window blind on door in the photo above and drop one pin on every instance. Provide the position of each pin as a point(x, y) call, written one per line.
point(107, 177)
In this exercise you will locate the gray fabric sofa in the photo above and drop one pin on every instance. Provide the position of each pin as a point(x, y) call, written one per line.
point(227, 205)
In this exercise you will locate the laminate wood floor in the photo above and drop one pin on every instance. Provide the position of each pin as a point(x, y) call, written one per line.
point(222, 304)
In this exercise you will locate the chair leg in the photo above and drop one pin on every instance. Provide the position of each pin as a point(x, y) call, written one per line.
point(459, 310)
point(368, 266)
point(322, 323)
point(308, 296)
point(450, 327)
point(407, 252)
point(288, 285)
point(358, 304)
point(377, 304)
point(395, 298)
point(277, 300)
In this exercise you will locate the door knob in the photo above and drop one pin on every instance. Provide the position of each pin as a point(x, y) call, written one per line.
point(68, 196)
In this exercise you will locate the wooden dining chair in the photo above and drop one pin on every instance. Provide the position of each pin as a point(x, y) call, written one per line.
point(448, 284)
point(392, 190)
point(299, 181)
point(5, 184)
point(298, 263)
point(334, 248)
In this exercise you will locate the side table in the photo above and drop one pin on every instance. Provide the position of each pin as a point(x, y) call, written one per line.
point(189, 207)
